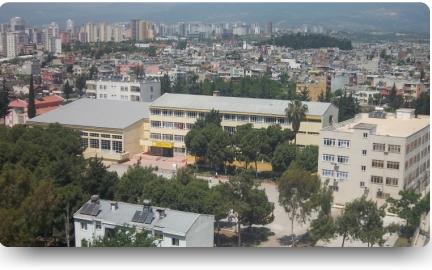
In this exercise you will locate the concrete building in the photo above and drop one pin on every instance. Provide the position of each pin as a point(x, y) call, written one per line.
point(376, 154)
point(111, 130)
point(170, 228)
point(172, 116)
point(11, 45)
point(146, 91)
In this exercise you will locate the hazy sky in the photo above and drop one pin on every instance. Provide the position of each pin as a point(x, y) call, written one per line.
point(403, 17)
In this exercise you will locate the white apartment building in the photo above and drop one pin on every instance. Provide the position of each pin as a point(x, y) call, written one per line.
point(145, 90)
point(170, 228)
point(376, 154)
point(11, 45)
point(173, 115)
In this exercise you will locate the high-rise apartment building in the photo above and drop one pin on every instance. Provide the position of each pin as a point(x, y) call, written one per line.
point(12, 44)
point(376, 155)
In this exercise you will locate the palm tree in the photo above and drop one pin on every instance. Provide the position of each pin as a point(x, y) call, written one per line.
point(295, 113)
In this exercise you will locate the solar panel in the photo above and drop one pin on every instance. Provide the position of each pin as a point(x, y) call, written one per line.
point(143, 217)
point(91, 209)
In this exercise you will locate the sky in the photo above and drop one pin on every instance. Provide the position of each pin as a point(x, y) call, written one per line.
point(387, 17)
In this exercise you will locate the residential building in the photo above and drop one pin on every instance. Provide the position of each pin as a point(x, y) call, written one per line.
point(376, 155)
point(126, 90)
point(172, 116)
point(18, 109)
point(111, 130)
point(11, 45)
point(170, 228)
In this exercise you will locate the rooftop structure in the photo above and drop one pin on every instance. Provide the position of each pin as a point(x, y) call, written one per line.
point(170, 227)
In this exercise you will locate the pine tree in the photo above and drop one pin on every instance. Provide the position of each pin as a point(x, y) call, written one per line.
point(4, 101)
point(31, 107)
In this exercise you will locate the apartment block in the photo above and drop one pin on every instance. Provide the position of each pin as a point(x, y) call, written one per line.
point(376, 155)
point(119, 89)
point(172, 116)
point(170, 228)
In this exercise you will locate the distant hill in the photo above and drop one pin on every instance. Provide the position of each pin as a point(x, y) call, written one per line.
point(397, 17)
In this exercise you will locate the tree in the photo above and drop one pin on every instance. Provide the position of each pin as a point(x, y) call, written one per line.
point(93, 72)
point(348, 106)
point(250, 144)
point(31, 107)
point(395, 101)
point(304, 95)
point(260, 59)
point(125, 237)
point(67, 90)
point(422, 104)
point(307, 158)
point(284, 154)
point(4, 101)
point(409, 207)
point(165, 84)
point(296, 113)
point(97, 180)
point(362, 220)
point(323, 227)
point(296, 188)
point(249, 203)
point(80, 84)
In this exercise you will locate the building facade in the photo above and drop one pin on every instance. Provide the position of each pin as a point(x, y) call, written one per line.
point(145, 91)
point(172, 116)
point(375, 155)
point(170, 228)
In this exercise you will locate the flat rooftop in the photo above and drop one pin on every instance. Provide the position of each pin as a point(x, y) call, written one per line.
point(98, 113)
point(234, 104)
point(389, 126)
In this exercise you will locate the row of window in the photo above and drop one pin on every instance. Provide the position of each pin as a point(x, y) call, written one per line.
point(390, 181)
point(102, 135)
point(116, 146)
point(170, 125)
point(339, 174)
point(340, 143)
point(167, 137)
point(380, 164)
point(331, 158)
point(417, 142)
point(391, 148)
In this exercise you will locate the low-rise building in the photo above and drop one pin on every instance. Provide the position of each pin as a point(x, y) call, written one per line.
point(170, 228)
point(125, 90)
point(376, 154)
point(172, 116)
point(111, 130)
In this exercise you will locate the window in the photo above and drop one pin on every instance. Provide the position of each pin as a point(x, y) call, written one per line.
point(363, 168)
point(364, 152)
point(242, 118)
point(168, 124)
point(84, 133)
point(327, 173)
point(167, 137)
point(392, 148)
point(94, 143)
point(334, 188)
point(230, 117)
point(362, 183)
point(379, 147)
point(179, 138)
point(84, 226)
point(393, 165)
point(175, 241)
point(391, 181)
point(156, 124)
point(230, 130)
point(341, 175)
point(179, 125)
point(98, 225)
point(155, 136)
point(105, 136)
point(377, 163)
point(151, 89)
point(327, 157)
point(155, 111)
point(179, 150)
point(84, 142)
point(376, 179)
point(94, 134)
point(365, 135)
point(191, 114)
point(189, 126)
point(166, 113)
point(178, 113)
point(106, 144)
point(329, 142)
point(342, 159)
point(117, 146)
point(344, 143)
point(117, 137)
